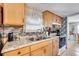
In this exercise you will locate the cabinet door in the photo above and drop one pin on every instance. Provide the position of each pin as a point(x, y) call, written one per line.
point(37, 52)
point(11, 53)
point(40, 52)
point(0, 15)
point(55, 47)
point(45, 18)
point(13, 13)
point(45, 51)
point(60, 20)
point(53, 18)
point(50, 47)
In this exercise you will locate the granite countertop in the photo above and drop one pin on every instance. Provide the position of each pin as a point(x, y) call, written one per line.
point(9, 46)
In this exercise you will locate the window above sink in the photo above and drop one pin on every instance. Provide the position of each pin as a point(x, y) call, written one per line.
point(33, 20)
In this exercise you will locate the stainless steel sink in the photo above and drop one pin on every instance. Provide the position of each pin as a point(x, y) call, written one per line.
point(37, 39)
point(33, 39)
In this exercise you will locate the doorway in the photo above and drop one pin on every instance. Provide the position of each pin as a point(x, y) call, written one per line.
point(73, 35)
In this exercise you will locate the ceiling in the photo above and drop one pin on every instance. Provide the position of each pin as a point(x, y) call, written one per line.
point(62, 9)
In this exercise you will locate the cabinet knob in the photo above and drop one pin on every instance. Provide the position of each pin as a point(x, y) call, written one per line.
point(44, 50)
point(19, 52)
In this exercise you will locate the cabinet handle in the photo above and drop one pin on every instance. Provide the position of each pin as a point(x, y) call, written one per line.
point(19, 52)
point(44, 50)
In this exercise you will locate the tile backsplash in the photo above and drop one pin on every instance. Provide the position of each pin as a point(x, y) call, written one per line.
point(12, 29)
point(5, 30)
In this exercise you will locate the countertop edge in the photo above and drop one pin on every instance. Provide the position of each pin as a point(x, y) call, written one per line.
point(28, 44)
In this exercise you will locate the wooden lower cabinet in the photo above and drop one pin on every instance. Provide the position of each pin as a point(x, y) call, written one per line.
point(11, 53)
point(37, 52)
point(27, 54)
point(55, 47)
point(18, 52)
point(40, 52)
point(50, 48)
point(45, 48)
point(45, 51)
point(40, 49)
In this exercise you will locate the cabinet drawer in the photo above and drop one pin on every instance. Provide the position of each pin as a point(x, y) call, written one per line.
point(24, 50)
point(27, 54)
point(38, 45)
point(17, 52)
point(11, 53)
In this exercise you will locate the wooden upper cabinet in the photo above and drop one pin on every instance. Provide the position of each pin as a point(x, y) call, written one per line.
point(45, 19)
point(0, 15)
point(1, 11)
point(58, 19)
point(49, 18)
point(13, 14)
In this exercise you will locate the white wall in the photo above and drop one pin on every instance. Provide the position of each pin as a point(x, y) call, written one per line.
point(72, 19)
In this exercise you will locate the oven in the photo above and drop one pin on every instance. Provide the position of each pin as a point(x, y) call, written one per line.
point(62, 42)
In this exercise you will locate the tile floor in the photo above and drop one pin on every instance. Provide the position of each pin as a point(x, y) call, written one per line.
point(74, 51)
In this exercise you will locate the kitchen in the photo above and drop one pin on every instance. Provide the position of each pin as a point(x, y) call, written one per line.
point(29, 30)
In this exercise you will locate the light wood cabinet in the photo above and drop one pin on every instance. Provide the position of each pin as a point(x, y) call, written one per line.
point(39, 45)
point(37, 52)
point(55, 47)
point(50, 18)
point(13, 14)
point(1, 15)
point(11, 53)
point(44, 48)
point(27, 54)
point(40, 49)
point(18, 52)
point(45, 51)
point(58, 19)
point(47, 18)
point(50, 48)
